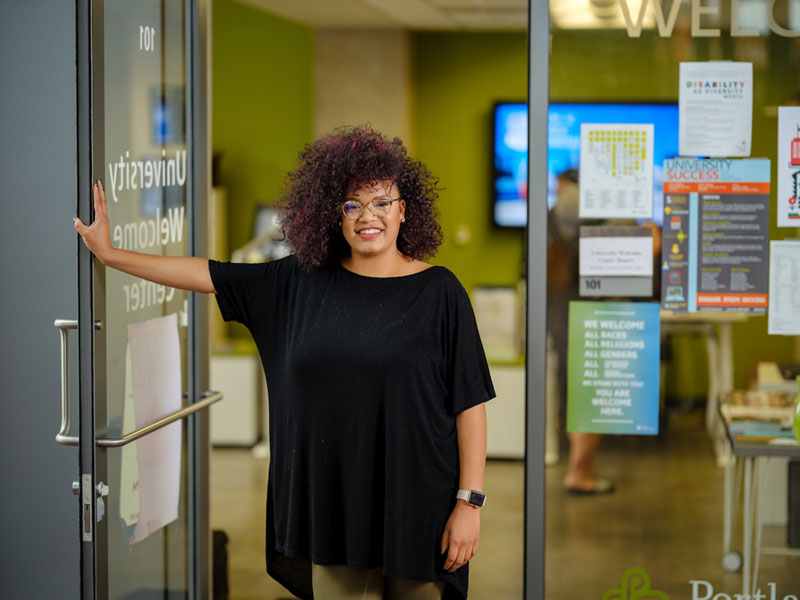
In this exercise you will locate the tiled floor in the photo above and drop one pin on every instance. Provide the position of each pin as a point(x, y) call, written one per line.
point(665, 517)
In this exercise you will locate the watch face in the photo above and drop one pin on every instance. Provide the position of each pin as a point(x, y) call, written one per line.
point(476, 498)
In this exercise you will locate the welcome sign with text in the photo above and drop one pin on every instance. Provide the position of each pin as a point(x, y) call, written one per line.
point(705, 17)
point(613, 367)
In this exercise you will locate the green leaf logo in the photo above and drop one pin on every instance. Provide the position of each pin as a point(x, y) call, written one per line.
point(635, 586)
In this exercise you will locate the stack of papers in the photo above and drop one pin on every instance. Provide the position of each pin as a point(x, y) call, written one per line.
point(758, 415)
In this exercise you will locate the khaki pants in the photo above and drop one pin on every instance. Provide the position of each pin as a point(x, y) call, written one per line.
point(340, 582)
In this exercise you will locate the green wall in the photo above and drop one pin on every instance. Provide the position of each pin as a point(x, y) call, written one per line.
point(456, 79)
point(262, 105)
point(262, 108)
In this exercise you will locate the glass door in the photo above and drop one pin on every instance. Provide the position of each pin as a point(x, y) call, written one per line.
point(143, 481)
point(662, 220)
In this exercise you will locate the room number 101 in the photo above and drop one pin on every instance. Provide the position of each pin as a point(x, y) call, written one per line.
point(147, 37)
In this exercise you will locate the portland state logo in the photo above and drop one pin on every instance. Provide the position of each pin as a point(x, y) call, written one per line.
point(635, 586)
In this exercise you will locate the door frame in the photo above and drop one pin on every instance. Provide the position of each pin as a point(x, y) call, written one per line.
point(198, 187)
point(90, 119)
point(536, 298)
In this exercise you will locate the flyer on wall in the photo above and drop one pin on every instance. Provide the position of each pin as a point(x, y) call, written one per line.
point(615, 261)
point(613, 367)
point(788, 166)
point(612, 252)
point(156, 389)
point(716, 235)
point(616, 169)
point(715, 108)
point(784, 288)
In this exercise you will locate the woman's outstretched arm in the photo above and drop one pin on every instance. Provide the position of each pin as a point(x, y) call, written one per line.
point(182, 272)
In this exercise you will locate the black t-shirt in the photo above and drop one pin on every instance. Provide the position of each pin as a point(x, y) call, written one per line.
point(365, 377)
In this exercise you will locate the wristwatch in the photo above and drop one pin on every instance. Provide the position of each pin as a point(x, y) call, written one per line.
point(473, 497)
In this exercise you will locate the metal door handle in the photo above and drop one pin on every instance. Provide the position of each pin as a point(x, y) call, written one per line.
point(208, 399)
point(63, 437)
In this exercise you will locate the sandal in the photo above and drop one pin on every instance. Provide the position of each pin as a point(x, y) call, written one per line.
point(601, 486)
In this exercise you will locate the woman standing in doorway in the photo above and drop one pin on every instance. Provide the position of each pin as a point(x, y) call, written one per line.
point(375, 371)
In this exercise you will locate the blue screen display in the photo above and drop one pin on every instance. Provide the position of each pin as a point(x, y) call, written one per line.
point(563, 149)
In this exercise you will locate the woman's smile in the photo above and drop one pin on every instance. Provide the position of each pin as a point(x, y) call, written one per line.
point(369, 233)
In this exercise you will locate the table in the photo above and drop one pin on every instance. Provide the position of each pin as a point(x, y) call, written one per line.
point(754, 452)
point(716, 327)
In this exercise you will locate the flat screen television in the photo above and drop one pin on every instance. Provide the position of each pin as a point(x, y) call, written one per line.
point(510, 144)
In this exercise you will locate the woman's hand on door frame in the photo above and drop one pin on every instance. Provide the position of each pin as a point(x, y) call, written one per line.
point(97, 236)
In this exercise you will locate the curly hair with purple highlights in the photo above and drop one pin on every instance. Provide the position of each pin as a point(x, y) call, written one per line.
point(337, 164)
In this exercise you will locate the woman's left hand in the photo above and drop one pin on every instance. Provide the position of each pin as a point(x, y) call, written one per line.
point(461, 535)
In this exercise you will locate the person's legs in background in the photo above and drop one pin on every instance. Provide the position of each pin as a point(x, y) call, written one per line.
point(581, 477)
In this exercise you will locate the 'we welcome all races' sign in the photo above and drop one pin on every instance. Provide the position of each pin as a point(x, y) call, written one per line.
point(613, 367)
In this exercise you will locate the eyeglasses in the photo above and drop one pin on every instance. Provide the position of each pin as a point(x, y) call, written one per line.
point(380, 207)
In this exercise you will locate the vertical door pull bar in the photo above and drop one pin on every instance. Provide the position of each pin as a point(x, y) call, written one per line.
point(64, 325)
point(63, 437)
